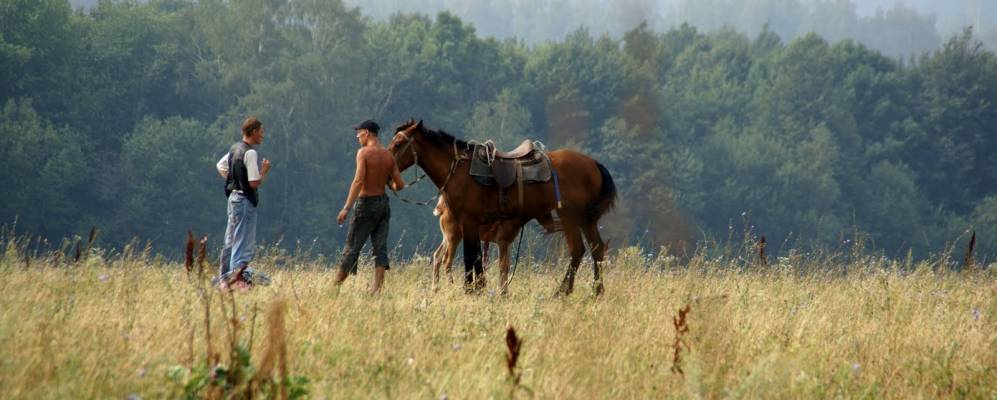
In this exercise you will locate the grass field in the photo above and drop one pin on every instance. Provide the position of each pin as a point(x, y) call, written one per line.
point(111, 327)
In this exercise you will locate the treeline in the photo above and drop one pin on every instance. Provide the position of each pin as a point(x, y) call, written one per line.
point(115, 116)
point(896, 28)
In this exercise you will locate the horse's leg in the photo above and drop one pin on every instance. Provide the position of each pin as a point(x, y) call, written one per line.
point(598, 250)
point(479, 274)
point(503, 246)
point(486, 245)
point(472, 256)
point(574, 239)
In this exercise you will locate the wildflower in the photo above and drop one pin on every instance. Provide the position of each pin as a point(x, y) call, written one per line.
point(856, 367)
point(103, 278)
point(976, 313)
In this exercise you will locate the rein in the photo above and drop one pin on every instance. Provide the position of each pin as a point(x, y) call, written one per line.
point(522, 232)
point(415, 156)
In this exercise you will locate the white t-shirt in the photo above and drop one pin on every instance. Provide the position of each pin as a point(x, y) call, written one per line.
point(252, 165)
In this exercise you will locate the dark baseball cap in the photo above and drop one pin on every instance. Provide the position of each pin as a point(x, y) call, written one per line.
point(369, 125)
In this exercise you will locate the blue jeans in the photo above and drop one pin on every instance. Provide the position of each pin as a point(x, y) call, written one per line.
point(240, 235)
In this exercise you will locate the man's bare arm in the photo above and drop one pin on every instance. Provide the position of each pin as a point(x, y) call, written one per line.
point(358, 179)
point(397, 183)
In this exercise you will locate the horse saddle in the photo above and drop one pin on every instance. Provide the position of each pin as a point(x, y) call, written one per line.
point(527, 163)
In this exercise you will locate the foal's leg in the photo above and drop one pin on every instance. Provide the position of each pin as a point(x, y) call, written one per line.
point(507, 234)
point(574, 239)
point(503, 246)
point(439, 257)
point(598, 250)
point(451, 249)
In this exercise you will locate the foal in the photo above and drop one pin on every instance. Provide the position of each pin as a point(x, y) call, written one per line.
point(452, 237)
point(450, 229)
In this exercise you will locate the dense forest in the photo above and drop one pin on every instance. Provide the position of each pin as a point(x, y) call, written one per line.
point(114, 116)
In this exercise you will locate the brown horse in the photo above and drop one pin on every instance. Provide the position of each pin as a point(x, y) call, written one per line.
point(586, 190)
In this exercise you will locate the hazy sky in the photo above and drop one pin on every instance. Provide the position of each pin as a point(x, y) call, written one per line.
point(539, 20)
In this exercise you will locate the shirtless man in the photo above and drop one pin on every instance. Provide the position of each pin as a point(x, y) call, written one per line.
point(375, 169)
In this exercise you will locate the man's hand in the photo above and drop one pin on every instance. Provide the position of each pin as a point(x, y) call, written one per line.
point(342, 216)
point(266, 166)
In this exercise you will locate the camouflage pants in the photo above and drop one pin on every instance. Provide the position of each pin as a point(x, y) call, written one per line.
point(370, 219)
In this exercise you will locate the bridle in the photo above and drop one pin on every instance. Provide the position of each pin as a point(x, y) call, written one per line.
point(415, 156)
point(409, 143)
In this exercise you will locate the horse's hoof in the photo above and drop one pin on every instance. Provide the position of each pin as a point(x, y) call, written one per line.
point(599, 289)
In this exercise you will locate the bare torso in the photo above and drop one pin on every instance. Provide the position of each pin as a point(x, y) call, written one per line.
point(379, 166)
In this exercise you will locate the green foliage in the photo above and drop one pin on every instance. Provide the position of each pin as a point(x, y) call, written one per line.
point(504, 120)
point(220, 381)
point(165, 176)
point(116, 115)
point(45, 170)
point(38, 42)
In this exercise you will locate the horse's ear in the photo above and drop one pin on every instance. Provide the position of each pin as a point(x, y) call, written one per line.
point(419, 125)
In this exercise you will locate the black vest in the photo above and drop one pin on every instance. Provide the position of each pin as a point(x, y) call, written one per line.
point(238, 176)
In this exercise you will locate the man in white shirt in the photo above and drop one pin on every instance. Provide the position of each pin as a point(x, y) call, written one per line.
point(243, 173)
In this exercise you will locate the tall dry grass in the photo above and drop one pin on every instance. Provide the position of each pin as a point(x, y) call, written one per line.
point(803, 326)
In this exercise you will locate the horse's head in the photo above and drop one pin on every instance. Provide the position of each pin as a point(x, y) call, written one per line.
point(402, 145)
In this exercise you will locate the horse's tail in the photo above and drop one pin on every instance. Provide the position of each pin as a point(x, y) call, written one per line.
point(607, 196)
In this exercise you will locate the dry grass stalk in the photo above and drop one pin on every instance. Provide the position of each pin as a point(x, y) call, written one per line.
point(231, 315)
point(202, 254)
point(188, 260)
point(210, 357)
point(92, 238)
point(513, 344)
point(967, 260)
point(190, 343)
point(762, 258)
point(79, 252)
point(681, 328)
point(252, 328)
point(275, 351)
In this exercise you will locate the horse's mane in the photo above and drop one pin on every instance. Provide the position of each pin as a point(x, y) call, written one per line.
point(437, 136)
point(442, 137)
